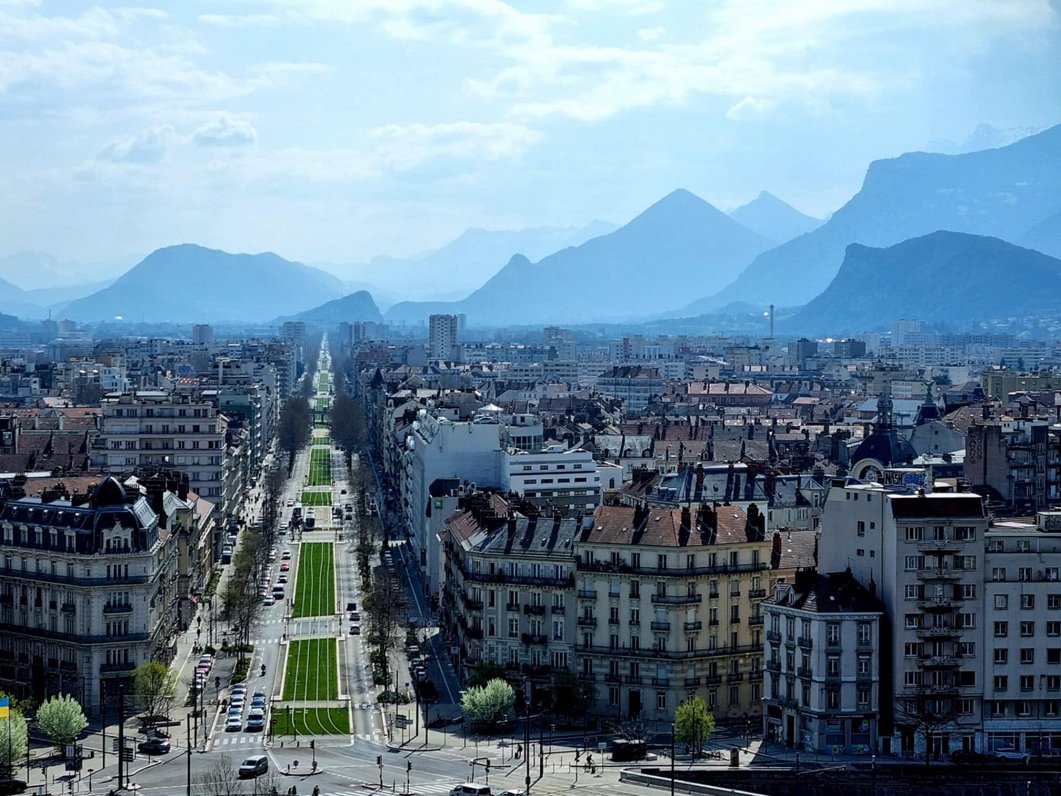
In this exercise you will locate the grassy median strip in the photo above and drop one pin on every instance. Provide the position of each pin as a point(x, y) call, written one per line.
point(320, 466)
point(315, 588)
point(312, 671)
point(312, 721)
point(316, 498)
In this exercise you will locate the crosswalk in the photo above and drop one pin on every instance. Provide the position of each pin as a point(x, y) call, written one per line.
point(239, 739)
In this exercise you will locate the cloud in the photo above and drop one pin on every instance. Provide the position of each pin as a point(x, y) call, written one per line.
point(652, 34)
point(241, 20)
point(750, 107)
point(403, 147)
point(146, 147)
point(225, 131)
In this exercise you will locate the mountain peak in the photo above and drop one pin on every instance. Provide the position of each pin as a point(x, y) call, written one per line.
point(774, 218)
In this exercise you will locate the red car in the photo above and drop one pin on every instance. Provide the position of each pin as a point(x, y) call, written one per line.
point(284, 566)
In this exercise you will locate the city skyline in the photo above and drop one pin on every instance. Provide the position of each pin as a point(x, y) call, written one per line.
point(330, 134)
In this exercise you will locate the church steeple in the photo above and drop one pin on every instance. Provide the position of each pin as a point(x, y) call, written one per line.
point(885, 418)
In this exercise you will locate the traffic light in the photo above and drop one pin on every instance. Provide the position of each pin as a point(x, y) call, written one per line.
point(379, 760)
point(578, 754)
point(487, 766)
point(408, 765)
point(217, 682)
point(312, 744)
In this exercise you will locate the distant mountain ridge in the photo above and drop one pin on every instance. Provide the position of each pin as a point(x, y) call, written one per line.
point(774, 219)
point(357, 306)
point(943, 275)
point(190, 283)
point(463, 264)
point(680, 244)
point(999, 192)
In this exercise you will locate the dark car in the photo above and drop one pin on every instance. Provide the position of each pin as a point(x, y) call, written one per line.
point(154, 746)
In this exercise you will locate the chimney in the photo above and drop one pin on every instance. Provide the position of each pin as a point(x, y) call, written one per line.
point(687, 519)
point(182, 491)
point(775, 550)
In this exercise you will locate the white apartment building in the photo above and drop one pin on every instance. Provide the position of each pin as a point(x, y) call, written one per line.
point(155, 429)
point(555, 478)
point(823, 660)
point(442, 335)
point(1022, 629)
point(923, 556)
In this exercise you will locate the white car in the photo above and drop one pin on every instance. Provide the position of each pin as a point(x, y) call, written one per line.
point(286, 555)
point(233, 724)
point(269, 601)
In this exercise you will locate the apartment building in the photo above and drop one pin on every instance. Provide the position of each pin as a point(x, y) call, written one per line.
point(507, 587)
point(1015, 463)
point(88, 590)
point(634, 385)
point(1022, 630)
point(442, 335)
point(554, 479)
point(150, 429)
point(823, 662)
point(922, 554)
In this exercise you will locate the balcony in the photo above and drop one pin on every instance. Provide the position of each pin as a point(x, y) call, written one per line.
point(107, 668)
point(661, 627)
point(587, 594)
point(473, 632)
point(534, 610)
point(614, 595)
point(613, 677)
point(692, 682)
point(557, 609)
point(514, 607)
point(938, 632)
point(755, 676)
point(755, 620)
point(533, 638)
point(774, 666)
point(677, 599)
point(773, 635)
point(633, 679)
point(938, 604)
point(692, 627)
point(805, 642)
point(937, 573)
point(938, 662)
point(713, 679)
point(625, 569)
point(757, 594)
point(804, 671)
point(587, 621)
point(587, 677)
point(69, 608)
point(660, 682)
point(473, 605)
point(613, 620)
point(938, 545)
point(117, 608)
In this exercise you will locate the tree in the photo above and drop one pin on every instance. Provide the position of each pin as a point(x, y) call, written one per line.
point(14, 736)
point(485, 671)
point(490, 704)
point(240, 603)
point(219, 779)
point(694, 723)
point(348, 424)
point(294, 428)
point(155, 687)
point(62, 719)
point(572, 696)
point(928, 714)
point(386, 607)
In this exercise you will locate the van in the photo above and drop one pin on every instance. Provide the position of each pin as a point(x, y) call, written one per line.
point(254, 766)
point(471, 789)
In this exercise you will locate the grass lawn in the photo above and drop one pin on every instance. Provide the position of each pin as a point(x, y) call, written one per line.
point(316, 498)
point(315, 588)
point(312, 670)
point(311, 721)
point(320, 466)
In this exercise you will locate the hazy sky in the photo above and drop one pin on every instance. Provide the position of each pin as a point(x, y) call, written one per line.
point(341, 129)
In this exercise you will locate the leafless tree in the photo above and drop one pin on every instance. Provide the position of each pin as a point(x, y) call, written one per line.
point(221, 778)
point(928, 714)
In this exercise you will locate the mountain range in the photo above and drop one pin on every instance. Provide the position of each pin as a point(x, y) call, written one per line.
point(357, 306)
point(774, 219)
point(947, 276)
point(189, 283)
point(1002, 192)
point(679, 244)
point(462, 265)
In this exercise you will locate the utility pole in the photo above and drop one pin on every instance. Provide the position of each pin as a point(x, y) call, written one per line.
point(189, 754)
point(121, 737)
point(526, 730)
point(673, 729)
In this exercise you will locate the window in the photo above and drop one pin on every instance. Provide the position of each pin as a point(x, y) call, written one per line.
point(968, 591)
point(1027, 629)
point(911, 649)
point(1001, 602)
point(1024, 573)
point(1001, 682)
point(967, 620)
point(914, 563)
point(1027, 682)
point(998, 573)
point(913, 621)
point(967, 649)
point(915, 534)
point(1001, 629)
point(513, 628)
point(861, 528)
point(1053, 628)
point(832, 633)
point(1027, 656)
point(863, 664)
point(863, 697)
point(1027, 602)
point(913, 591)
point(661, 700)
point(1053, 601)
point(864, 633)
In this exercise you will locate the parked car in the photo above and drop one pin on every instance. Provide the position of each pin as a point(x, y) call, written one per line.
point(471, 789)
point(355, 630)
point(286, 555)
point(284, 566)
point(253, 766)
point(154, 746)
point(269, 600)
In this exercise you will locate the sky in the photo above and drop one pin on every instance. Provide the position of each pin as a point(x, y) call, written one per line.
point(339, 130)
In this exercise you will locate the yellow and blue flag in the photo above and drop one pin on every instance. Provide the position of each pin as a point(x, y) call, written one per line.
point(5, 707)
